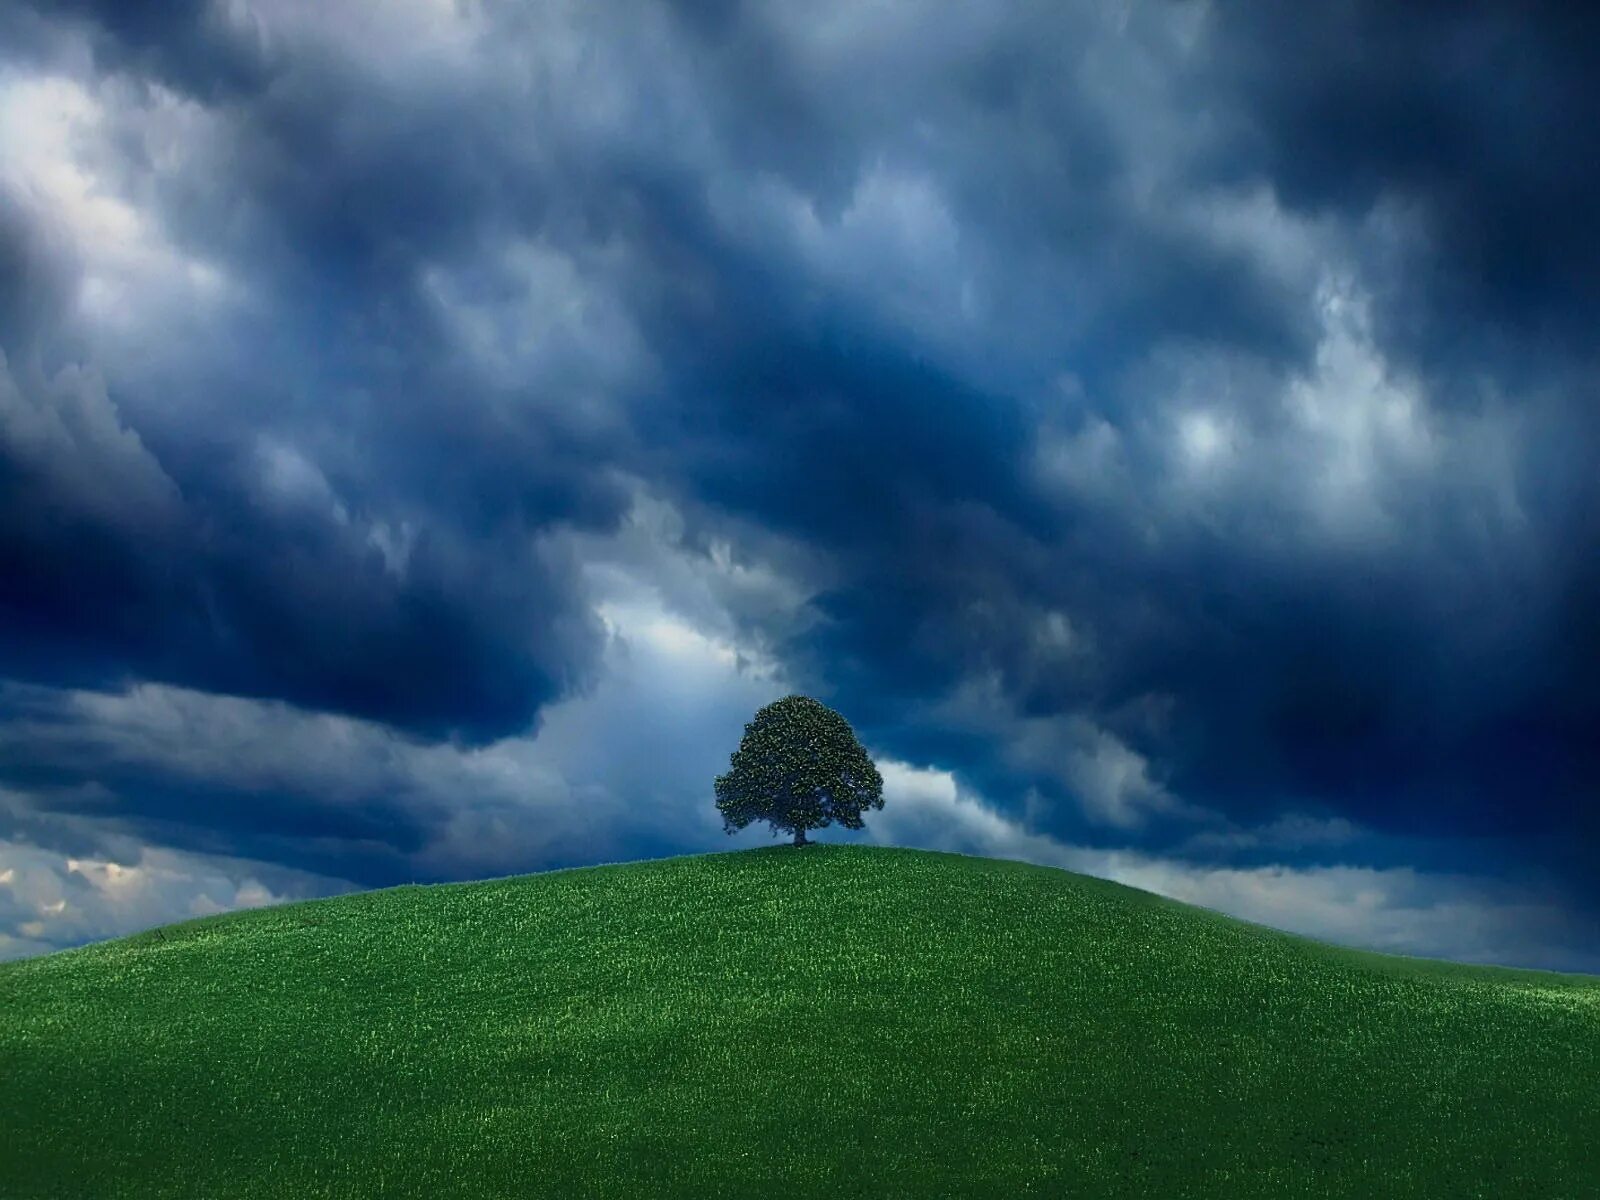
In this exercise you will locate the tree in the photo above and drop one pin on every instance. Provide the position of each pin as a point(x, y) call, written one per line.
point(799, 767)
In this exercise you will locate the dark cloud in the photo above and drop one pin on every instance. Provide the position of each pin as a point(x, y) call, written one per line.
point(1213, 381)
point(213, 51)
point(35, 282)
point(217, 554)
point(109, 573)
point(471, 641)
point(1411, 685)
point(1483, 116)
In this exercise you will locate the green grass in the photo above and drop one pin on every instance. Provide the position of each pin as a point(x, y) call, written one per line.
point(834, 1021)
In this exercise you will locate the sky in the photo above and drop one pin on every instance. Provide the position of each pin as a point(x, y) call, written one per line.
point(1167, 432)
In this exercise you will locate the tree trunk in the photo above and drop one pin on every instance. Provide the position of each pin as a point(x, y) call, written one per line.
point(800, 837)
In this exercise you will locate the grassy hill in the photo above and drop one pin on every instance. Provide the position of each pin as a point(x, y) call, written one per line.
point(833, 1021)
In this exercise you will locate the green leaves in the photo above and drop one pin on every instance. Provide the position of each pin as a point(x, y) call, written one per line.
point(799, 766)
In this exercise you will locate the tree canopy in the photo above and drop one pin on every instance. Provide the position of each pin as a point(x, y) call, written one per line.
point(799, 767)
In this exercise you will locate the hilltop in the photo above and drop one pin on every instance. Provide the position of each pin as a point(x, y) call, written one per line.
point(838, 1020)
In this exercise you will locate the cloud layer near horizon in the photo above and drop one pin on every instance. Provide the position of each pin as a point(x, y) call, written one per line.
point(424, 443)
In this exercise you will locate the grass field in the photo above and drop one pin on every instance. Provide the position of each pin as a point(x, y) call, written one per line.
point(831, 1021)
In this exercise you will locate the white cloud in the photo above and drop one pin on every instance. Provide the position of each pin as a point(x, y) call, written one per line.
point(534, 319)
point(1357, 423)
point(739, 585)
point(1088, 463)
point(54, 901)
point(1056, 636)
point(1395, 910)
point(287, 479)
point(1205, 437)
point(1111, 782)
point(1290, 248)
point(1350, 455)
point(58, 146)
point(395, 543)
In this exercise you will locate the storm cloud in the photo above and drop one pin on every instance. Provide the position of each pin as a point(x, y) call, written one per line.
point(1171, 423)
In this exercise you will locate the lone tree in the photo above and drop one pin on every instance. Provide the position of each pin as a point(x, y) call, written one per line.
point(800, 767)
